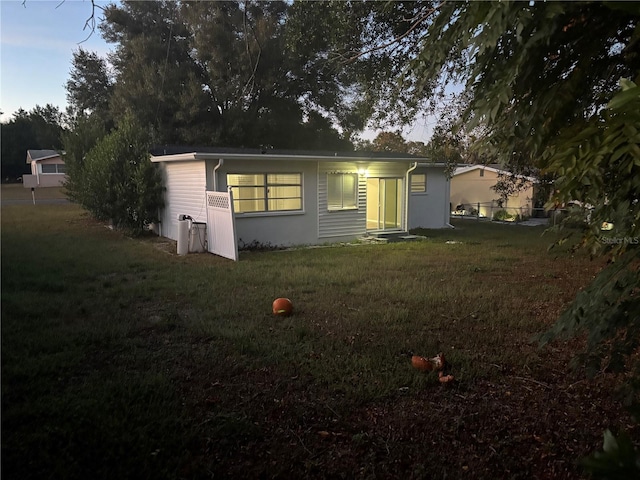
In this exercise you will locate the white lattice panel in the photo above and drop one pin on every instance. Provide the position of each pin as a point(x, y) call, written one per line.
point(218, 201)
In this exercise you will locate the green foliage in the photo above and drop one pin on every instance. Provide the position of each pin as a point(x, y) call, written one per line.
point(155, 76)
point(599, 165)
point(597, 162)
point(89, 87)
point(86, 132)
point(390, 142)
point(502, 215)
point(366, 46)
point(446, 146)
point(117, 181)
point(531, 69)
point(220, 73)
point(618, 459)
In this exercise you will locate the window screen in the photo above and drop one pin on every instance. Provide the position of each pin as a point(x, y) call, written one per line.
point(418, 183)
point(266, 192)
point(342, 191)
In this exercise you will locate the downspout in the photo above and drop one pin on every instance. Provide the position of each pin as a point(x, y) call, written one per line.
point(215, 174)
point(408, 195)
point(447, 206)
point(447, 213)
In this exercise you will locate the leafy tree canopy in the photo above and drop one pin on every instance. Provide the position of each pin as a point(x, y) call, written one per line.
point(389, 142)
point(89, 87)
point(548, 85)
point(367, 47)
point(218, 73)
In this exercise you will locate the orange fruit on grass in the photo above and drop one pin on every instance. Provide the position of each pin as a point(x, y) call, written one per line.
point(282, 307)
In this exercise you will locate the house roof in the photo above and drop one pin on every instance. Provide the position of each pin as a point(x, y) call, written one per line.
point(176, 153)
point(33, 155)
point(470, 168)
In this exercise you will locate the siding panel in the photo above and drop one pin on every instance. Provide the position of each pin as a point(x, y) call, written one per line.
point(186, 186)
point(345, 223)
point(430, 209)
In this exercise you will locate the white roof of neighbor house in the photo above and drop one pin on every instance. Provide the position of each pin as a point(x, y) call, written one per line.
point(33, 155)
point(173, 154)
point(469, 168)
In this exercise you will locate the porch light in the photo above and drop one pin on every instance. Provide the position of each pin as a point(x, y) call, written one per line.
point(363, 172)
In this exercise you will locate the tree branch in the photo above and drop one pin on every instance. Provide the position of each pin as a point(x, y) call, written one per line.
point(91, 21)
point(396, 40)
point(251, 81)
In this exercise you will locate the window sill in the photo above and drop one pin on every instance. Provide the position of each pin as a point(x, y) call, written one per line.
point(282, 213)
point(348, 209)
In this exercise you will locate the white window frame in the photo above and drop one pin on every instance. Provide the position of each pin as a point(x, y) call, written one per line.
point(418, 187)
point(56, 168)
point(265, 186)
point(348, 200)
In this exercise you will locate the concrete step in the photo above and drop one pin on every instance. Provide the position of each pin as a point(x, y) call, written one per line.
point(390, 236)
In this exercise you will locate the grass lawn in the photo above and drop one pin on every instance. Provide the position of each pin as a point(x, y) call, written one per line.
point(16, 191)
point(121, 359)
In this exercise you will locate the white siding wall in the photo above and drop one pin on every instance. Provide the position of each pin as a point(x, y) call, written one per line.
point(343, 223)
point(275, 228)
point(430, 209)
point(186, 186)
point(352, 223)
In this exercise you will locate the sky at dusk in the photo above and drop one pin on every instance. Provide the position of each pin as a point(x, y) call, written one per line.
point(38, 39)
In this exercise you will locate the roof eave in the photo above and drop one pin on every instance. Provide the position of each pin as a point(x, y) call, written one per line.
point(42, 158)
point(463, 170)
point(184, 157)
point(432, 164)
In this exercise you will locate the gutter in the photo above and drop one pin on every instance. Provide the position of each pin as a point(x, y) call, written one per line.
point(447, 205)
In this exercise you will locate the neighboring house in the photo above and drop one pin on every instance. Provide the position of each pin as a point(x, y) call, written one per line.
point(295, 198)
point(472, 193)
point(47, 169)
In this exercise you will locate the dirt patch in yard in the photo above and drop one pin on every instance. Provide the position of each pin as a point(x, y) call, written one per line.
point(518, 424)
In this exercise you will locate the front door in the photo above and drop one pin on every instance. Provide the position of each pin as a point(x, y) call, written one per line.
point(384, 203)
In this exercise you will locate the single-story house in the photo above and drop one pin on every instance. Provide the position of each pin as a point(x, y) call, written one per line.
point(472, 192)
point(47, 169)
point(282, 198)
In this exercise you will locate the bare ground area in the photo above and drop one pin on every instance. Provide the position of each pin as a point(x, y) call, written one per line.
point(528, 424)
